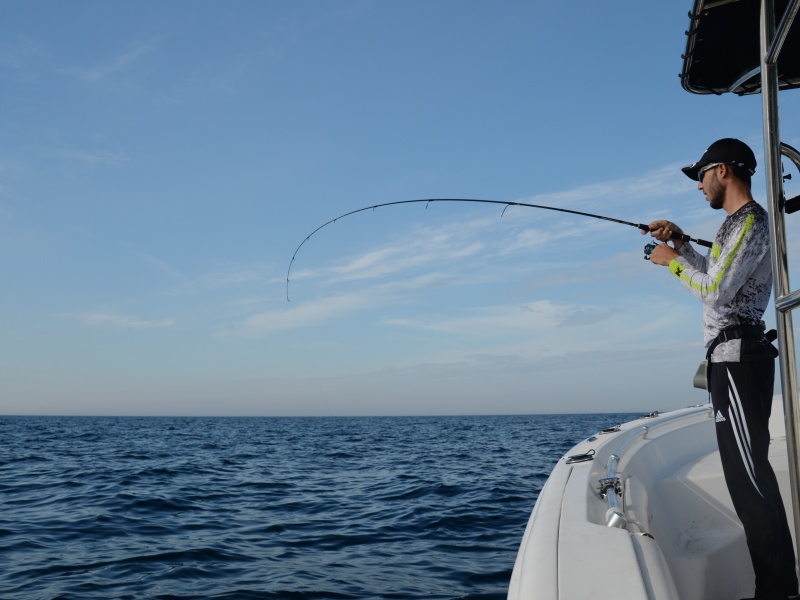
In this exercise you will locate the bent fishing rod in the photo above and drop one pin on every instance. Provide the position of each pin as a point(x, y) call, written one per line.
point(506, 203)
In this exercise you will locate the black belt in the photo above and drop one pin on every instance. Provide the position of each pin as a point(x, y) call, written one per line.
point(738, 332)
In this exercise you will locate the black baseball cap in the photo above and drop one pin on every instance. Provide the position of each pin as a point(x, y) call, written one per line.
point(727, 150)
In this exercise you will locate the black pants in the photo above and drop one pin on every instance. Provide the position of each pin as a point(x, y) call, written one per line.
point(741, 394)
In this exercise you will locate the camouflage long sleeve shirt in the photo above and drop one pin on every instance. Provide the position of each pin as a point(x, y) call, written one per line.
point(734, 280)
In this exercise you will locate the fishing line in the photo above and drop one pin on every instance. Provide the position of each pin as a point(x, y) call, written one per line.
point(506, 203)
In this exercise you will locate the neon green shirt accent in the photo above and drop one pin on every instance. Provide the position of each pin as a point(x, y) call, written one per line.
point(734, 280)
point(679, 272)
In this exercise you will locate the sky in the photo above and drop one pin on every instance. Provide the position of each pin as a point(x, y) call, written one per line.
point(160, 163)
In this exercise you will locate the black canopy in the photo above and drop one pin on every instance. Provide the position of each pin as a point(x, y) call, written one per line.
point(722, 48)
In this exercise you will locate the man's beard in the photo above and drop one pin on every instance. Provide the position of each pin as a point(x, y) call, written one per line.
point(715, 194)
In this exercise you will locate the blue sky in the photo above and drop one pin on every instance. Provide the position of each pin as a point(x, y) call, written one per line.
point(160, 162)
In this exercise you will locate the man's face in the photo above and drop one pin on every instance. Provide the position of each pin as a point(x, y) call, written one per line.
point(713, 189)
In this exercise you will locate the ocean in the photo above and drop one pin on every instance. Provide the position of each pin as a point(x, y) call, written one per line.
point(413, 508)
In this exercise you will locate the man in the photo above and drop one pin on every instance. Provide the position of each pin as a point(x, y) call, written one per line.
point(734, 283)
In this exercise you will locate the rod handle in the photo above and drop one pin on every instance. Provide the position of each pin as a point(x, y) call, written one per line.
point(678, 236)
point(686, 238)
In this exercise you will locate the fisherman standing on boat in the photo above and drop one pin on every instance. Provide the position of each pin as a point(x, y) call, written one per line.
point(734, 283)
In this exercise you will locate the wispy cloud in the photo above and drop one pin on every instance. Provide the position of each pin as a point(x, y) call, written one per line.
point(421, 246)
point(232, 277)
point(113, 65)
point(94, 158)
point(297, 315)
point(545, 329)
point(544, 315)
point(123, 321)
point(5, 213)
point(418, 251)
point(662, 182)
point(158, 264)
point(18, 52)
point(465, 251)
point(302, 315)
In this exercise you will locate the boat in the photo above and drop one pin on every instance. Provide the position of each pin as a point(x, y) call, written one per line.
point(641, 510)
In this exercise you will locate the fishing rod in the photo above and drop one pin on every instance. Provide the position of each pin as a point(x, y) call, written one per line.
point(646, 228)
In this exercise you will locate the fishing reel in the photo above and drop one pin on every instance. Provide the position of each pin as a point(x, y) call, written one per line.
point(648, 249)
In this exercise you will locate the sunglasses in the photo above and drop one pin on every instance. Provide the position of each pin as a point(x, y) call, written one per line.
point(702, 172)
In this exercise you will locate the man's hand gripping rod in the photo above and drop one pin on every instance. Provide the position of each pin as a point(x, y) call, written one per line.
point(648, 248)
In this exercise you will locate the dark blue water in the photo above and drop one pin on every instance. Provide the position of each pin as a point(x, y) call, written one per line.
point(296, 508)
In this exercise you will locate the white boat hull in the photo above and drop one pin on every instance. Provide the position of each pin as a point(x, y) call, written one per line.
point(674, 535)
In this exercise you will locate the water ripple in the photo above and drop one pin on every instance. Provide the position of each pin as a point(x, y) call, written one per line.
point(336, 508)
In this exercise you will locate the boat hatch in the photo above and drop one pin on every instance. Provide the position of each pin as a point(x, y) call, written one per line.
point(579, 458)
